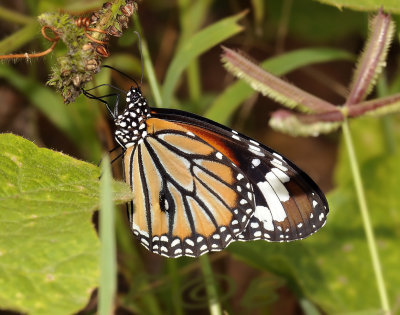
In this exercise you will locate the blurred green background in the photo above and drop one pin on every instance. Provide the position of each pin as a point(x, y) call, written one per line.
point(314, 46)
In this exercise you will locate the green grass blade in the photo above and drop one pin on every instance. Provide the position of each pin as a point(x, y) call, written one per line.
point(19, 38)
point(198, 44)
point(108, 263)
point(211, 287)
point(148, 66)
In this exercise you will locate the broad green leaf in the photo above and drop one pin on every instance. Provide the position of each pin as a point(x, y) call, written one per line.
point(225, 105)
point(48, 244)
point(77, 120)
point(198, 44)
point(365, 5)
point(333, 268)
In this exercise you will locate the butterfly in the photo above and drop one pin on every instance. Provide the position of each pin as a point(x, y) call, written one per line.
point(199, 185)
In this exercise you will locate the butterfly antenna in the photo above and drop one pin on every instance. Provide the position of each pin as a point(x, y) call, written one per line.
point(141, 55)
point(124, 74)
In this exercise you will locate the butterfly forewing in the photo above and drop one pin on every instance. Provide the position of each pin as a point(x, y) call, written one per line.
point(190, 198)
point(288, 204)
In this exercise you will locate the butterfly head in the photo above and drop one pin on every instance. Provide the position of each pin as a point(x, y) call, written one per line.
point(131, 124)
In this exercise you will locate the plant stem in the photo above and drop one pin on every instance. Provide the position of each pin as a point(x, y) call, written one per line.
point(369, 232)
point(211, 288)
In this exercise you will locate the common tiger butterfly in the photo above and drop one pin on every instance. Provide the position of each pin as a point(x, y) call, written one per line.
point(199, 185)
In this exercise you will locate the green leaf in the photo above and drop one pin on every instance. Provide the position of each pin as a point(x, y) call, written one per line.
point(370, 5)
point(332, 268)
point(225, 105)
point(48, 245)
point(191, 49)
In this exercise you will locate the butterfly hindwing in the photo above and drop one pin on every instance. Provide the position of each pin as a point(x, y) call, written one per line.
point(190, 198)
point(288, 204)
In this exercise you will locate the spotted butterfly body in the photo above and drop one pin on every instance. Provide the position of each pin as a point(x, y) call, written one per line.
point(199, 185)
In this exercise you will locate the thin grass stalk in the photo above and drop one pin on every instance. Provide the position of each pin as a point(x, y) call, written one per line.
point(148, 65)
point(193, 70)
point(177, 305)
point(108, 261)
point(15, 17)
point(387, 120)
point(211, 287)
point(369, 232)
point(19, 38)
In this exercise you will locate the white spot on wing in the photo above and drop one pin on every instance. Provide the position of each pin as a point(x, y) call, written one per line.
point(252, 147)
point(189, 133)
point(277, 210)
point(281, 175)
point(279, 164)
point(175, 242)
point(264, 215)
point(254, 225)
point(257, 233)
point(189, 242)
point(277, 186)
point(256, 162)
